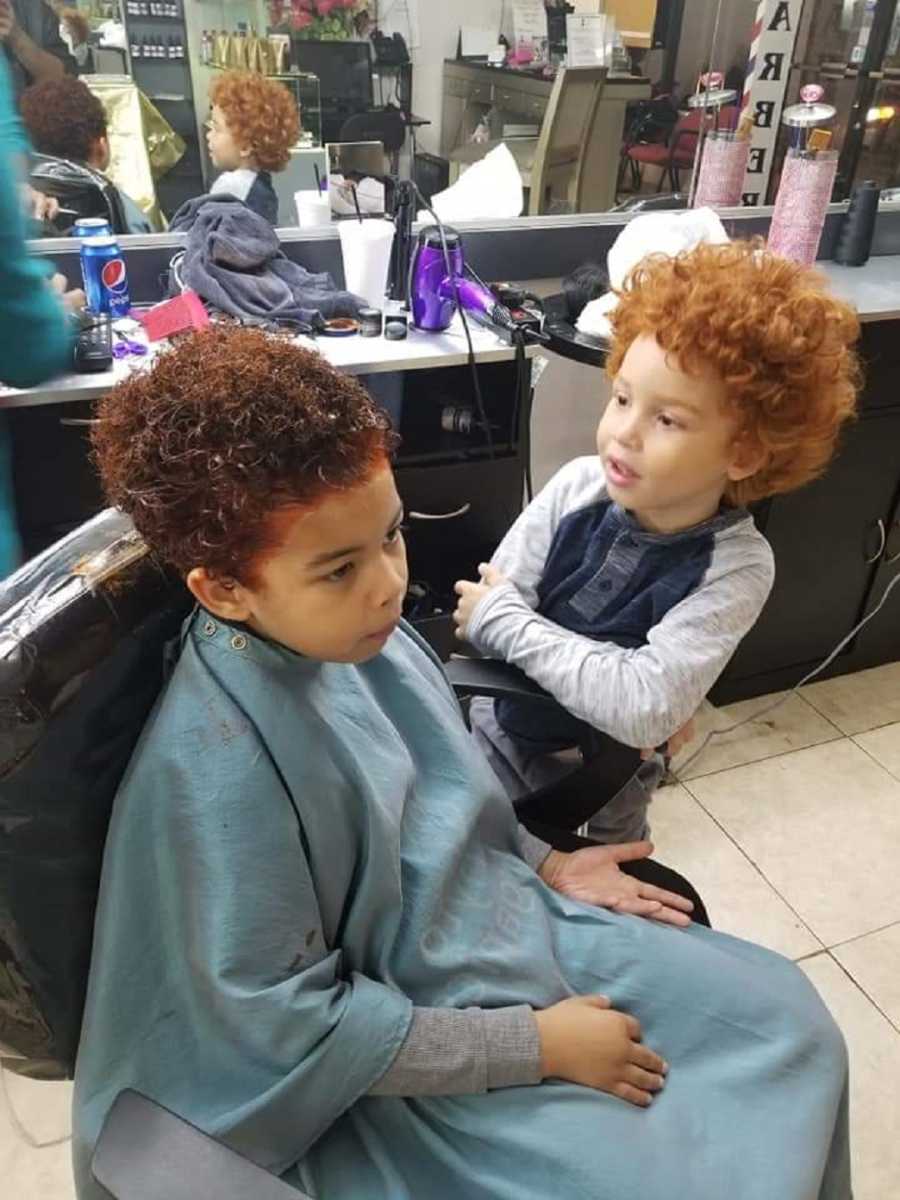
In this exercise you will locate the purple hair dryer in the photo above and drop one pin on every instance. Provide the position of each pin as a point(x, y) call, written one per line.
point(434, 290)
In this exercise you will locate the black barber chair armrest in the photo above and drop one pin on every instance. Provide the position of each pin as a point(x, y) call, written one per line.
point(488, 677)
point(145, 1152)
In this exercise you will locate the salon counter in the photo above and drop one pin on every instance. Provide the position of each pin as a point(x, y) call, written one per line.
point(355, 355)
point(873, 290)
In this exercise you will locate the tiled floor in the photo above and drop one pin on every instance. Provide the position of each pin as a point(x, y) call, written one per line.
point(790, 828)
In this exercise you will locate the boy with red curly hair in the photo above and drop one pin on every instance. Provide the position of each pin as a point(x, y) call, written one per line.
point(626, 586)
point(252, 127)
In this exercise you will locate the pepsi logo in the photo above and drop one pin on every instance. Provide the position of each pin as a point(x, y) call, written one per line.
point(114, 276)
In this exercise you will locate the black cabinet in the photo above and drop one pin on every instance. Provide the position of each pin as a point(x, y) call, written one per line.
point(836, 545)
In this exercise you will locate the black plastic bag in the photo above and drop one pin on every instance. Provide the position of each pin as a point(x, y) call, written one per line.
point(83, 631)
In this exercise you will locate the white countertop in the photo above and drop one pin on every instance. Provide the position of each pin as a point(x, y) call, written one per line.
point(355, 355)
point(873, 290)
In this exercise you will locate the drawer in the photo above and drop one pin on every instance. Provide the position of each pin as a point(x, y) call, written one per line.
point(473, 93)
point(466, 506)
point(513, 100)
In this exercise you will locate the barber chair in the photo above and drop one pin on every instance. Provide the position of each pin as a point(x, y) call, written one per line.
point(145, 1152)
point(80, 190)
point(84, 635)
point(656, 203)
point(385, 125)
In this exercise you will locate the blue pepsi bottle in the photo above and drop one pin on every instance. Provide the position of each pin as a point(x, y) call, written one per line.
point(105, 277)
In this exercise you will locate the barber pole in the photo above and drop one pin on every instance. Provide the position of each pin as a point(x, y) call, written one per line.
point(755, 39)
point(768, 72)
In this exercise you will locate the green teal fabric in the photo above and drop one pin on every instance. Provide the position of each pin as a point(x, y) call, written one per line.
point(300, 851)
point(34, 341)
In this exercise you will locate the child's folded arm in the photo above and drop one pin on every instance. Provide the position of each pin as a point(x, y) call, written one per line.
point(521, 555)
point(451, 1051)
point(638, 696)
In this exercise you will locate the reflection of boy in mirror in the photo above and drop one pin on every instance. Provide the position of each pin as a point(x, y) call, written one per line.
point(252, 127)
point(64, 119)
point(29, 34)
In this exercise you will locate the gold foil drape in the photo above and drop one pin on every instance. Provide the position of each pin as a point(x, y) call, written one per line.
point(143, 145)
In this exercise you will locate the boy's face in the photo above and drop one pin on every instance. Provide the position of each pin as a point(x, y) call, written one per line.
point(667, 443)
point(224, 152)
point(334, 588)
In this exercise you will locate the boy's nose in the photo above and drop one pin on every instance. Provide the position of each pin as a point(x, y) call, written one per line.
point(391, 585)
point(629, 433)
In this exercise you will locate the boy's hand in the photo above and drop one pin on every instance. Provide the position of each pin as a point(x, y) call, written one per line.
point(39, 206)
point(592, 875)
point(585, 1041)
point(471, 594)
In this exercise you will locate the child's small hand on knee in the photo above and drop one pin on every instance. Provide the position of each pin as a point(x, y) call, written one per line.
point(585, 1041)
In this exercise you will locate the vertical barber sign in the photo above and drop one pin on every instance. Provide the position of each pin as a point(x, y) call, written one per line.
point(768, 67)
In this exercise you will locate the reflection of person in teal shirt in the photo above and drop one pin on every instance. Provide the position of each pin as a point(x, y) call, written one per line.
point(34, 340)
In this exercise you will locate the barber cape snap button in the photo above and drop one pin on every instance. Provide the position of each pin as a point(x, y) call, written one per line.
point(209, 628)
point(239, 642)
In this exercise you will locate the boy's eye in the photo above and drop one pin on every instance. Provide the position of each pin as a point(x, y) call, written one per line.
point(395, 535)
point(620, 399)
point(340, 574)
point(668, 422)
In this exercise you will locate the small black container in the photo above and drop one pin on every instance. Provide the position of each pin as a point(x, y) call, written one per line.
point(369, 322)
point(854, 239)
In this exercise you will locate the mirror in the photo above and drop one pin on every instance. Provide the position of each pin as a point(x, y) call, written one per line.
point(849, 48)
point(427, 90)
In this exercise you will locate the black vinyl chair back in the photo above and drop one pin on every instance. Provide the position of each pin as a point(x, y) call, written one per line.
point(83, 630)
point(78, 187)
point(385, 125)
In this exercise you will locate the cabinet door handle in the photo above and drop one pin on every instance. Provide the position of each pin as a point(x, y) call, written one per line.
point(878, 553)
point(73, 422)
point(450, 516)
point(892, 558)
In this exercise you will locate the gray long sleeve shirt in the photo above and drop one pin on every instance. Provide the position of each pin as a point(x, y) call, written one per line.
point(627, 629)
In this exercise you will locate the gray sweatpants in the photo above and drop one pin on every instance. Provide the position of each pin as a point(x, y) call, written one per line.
point(622, 819)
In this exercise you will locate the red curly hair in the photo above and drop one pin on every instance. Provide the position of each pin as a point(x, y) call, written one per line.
point(783, 347)
point(261, 114)
point(63, 118)
point(229, 429)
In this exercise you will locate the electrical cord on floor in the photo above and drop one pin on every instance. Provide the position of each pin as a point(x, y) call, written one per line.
point(776, 704)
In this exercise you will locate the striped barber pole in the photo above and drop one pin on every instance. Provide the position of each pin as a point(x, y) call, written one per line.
point(772, 43)
point(755, 38)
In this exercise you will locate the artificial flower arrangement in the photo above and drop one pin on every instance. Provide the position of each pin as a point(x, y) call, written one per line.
point(317, 20)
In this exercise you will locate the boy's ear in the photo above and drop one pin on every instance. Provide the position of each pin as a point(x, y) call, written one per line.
point(747, 458)
point(222, 597)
